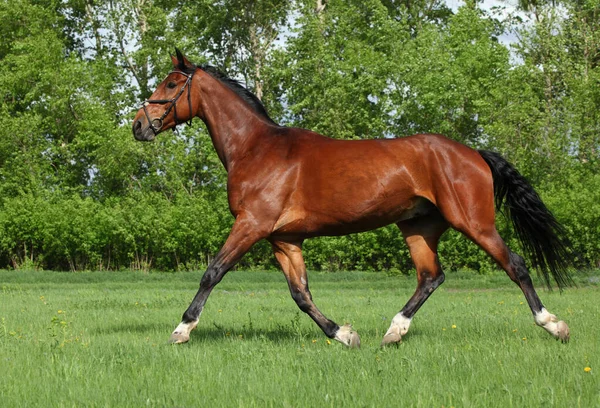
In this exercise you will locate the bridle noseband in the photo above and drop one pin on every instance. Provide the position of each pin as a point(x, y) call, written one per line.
point(157, 124)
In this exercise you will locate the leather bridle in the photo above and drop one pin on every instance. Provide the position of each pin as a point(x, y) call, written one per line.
point(157, 124)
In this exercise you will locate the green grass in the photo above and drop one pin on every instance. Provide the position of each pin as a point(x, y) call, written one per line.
point(100, 339)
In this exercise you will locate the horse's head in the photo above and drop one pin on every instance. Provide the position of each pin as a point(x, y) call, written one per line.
point(171, 103)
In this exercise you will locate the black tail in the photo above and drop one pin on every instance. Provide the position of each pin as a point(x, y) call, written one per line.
point(542, 237)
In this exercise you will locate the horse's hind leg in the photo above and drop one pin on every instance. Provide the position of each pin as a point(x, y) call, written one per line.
point(469, 208)
point(289, 256)
point(514, 265)
point(421, 235)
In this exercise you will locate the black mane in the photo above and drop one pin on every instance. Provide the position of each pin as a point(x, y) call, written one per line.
point(232, 84)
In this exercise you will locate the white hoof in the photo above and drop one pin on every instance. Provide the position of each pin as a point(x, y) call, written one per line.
point(182, 333)
point(552, 325)
point(391, 338)
point(348, 336)
point(179, 338)
point(562, 332)
point(398, 328)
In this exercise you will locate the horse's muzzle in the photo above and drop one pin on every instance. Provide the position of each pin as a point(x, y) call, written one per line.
point(141, 133)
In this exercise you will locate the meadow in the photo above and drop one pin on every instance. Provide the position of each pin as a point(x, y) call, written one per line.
point(99, 339)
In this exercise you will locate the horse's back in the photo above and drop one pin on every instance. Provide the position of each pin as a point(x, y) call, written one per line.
point(413, 164)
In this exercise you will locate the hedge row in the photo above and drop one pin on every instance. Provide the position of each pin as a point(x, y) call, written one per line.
point(149, 231)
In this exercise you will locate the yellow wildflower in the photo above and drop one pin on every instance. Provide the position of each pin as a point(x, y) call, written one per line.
point(587, 369)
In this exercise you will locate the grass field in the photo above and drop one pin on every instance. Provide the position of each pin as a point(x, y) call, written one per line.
point(100, 339)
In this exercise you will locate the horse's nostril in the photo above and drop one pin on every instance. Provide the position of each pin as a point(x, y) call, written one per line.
point(137, 125)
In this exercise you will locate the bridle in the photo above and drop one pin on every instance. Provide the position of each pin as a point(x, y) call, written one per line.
point(157, 124)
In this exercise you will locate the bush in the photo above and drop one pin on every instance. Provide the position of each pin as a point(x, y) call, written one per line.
point(143, 231)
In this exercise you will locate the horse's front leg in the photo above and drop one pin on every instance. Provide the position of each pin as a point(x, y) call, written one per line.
point(246, 231)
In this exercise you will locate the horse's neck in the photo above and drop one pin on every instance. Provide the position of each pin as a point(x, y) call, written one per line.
point(234, 127)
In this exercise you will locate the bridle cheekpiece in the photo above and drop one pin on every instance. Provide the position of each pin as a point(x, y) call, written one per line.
point(157, 124)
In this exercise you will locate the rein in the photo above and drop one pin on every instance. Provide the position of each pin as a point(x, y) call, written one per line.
point(157, 124)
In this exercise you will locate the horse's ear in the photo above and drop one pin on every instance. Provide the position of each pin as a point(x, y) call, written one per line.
point(180, 61)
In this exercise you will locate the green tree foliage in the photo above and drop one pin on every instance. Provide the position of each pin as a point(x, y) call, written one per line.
point(77, 192)
point(345, 88)
point(235, 35)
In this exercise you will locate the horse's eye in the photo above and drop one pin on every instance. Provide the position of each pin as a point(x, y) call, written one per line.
point(171, 85)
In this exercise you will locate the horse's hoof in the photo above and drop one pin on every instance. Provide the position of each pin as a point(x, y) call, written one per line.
point(348, 336)
point(562, 331)
point(391, 338)
point(354, 340)
point(178, 338)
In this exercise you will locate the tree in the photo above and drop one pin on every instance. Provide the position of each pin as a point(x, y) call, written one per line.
point(333, 74)
point(237, 36)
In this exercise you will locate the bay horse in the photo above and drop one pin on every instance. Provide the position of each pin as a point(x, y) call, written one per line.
point(286, 185)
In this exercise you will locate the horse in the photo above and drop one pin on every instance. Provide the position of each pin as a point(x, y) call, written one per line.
point(286, 185)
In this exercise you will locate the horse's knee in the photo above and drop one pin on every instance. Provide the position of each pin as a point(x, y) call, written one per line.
point(437, 280)
point(211, 277)
point(431, 281)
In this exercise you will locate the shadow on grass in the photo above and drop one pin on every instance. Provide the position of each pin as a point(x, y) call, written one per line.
point(124, 327)
point(202, 334)
point(275, 335)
